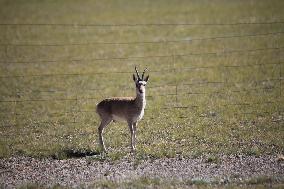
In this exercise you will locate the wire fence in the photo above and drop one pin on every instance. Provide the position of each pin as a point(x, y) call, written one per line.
point(142, 24)
point(143, 42)
point(178, 87)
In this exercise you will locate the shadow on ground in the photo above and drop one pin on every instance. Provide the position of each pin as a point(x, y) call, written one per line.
point(74, 153)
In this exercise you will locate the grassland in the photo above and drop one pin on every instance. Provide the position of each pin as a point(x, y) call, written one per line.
point(208, 96)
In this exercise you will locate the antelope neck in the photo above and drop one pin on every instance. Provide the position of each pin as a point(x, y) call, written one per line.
point(140, 99)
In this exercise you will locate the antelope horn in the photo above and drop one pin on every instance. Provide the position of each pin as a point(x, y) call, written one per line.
point(143, 73)
point(137, 73)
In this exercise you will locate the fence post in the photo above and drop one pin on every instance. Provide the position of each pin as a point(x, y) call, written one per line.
point(226, 70)
point(15, 105)
point(176, 84)
point(8, 48)
point(280, 78)
point(280, 74)
point(76, 104)
point(6, 51)
point(176, 93)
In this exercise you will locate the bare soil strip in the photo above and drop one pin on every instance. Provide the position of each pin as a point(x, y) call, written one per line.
point(16, 171)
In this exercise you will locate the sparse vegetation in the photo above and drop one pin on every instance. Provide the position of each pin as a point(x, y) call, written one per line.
point(157, 183)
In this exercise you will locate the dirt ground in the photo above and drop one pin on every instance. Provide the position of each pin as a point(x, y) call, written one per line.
point(17, 171)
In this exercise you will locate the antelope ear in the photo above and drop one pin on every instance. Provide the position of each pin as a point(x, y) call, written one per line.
point(134, 78)
point(146, 79)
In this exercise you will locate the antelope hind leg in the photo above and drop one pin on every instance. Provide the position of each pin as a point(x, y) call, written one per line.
point(103, 124)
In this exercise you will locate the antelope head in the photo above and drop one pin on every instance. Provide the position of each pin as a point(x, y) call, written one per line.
point(140, 82)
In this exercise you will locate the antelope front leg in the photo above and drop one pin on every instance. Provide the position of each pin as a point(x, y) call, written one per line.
point(132, 127)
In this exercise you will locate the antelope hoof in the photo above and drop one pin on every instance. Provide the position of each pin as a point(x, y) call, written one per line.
point(103, 149)
point(133, 149)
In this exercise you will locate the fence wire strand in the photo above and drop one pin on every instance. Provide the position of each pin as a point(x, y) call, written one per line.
point(145, 42)
point(218, 53)
point(76, 25)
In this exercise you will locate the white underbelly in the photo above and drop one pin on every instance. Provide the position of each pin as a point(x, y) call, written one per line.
point(118, 118)
point(123, 119)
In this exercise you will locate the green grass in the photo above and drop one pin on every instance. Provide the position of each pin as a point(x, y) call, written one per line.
point(216, 120)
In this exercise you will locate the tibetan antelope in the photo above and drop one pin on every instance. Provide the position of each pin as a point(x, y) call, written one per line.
point(129, 109)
